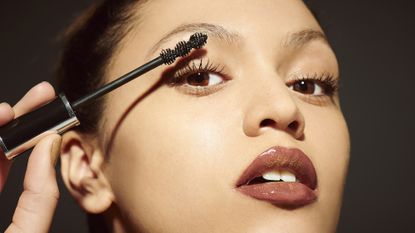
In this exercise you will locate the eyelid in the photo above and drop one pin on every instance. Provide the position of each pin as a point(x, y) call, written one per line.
point(320, 100)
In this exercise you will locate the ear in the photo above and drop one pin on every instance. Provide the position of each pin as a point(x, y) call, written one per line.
point(81, 166)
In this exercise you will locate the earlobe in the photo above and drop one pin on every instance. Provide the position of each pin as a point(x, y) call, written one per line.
point(81, 168)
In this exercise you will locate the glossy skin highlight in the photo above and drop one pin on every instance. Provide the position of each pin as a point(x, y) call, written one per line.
point(175, 153)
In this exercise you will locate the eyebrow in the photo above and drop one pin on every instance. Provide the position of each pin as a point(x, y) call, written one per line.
point(300, 38)
point(296, 39)
point(213, 30)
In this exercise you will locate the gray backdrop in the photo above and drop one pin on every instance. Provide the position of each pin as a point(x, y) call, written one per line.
point(374, 41)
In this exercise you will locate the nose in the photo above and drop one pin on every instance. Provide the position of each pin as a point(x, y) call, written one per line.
point(272, 107)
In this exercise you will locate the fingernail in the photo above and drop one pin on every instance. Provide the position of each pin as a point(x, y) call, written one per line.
point(41, 83)
point(4, 104)
point(54, 152)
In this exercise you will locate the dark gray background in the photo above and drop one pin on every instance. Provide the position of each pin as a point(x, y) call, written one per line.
point(374, 41)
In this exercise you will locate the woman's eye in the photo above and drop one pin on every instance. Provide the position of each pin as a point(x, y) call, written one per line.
point(308, 87)
point(203, 79)
point(199, 78)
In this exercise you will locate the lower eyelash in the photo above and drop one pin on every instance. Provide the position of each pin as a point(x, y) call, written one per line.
point(199, 91)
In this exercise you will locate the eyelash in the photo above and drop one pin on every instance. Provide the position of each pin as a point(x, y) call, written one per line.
point(192, 68)
point(325, 80)
point(180, 76)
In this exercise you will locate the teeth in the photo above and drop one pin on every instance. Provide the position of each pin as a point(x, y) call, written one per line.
point(276, 175)
point(287, 176)
point(272, 175)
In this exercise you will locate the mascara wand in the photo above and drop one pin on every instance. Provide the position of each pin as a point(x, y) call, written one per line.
point(59, 115)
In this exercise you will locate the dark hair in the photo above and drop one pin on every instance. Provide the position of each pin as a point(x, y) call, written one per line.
point(88, 45)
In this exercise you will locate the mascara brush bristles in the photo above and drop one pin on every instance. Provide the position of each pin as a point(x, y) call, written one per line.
point(183, 48)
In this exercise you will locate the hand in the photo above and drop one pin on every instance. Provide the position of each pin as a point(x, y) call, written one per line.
point(38, 201)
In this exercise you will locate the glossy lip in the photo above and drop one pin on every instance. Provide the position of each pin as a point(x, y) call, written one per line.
point(282, 194)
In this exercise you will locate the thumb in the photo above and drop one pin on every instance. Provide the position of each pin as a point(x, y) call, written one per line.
point(34, 211)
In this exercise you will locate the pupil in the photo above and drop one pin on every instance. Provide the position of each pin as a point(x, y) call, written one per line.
point(199, 79)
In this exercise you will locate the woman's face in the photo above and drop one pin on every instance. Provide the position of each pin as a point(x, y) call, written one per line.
point(266, 79)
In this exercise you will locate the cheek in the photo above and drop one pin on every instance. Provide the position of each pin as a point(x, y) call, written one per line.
point(328, 139)
point(166, 156)
point(326, 132)
point(332, 135)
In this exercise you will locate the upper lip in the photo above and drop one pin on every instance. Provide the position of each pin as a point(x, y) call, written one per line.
point(281, 158)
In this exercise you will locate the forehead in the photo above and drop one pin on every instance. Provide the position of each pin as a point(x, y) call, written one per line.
point(252, 20)
point(260, 10)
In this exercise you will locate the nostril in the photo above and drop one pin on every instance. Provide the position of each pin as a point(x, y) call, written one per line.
point(293, 126)
point(267, 123)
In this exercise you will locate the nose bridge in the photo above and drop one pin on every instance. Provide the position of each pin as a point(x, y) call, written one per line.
point(271, 105)
point(274, 89)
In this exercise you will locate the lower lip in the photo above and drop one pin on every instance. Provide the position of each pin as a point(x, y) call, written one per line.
point(282, 194)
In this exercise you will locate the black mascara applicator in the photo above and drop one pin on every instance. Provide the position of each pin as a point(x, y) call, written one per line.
point(59, 115)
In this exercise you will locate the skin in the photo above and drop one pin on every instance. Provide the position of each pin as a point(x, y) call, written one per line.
point(166, 160)
point(40, 195)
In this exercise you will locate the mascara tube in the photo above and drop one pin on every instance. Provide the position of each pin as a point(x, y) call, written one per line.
point(24, 132)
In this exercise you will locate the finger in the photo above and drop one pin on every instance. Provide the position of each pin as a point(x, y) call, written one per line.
point(34, 98)
point(6, 113)
point(38, 201)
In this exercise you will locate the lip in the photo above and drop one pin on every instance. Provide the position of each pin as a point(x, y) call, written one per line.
point(282, 194)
